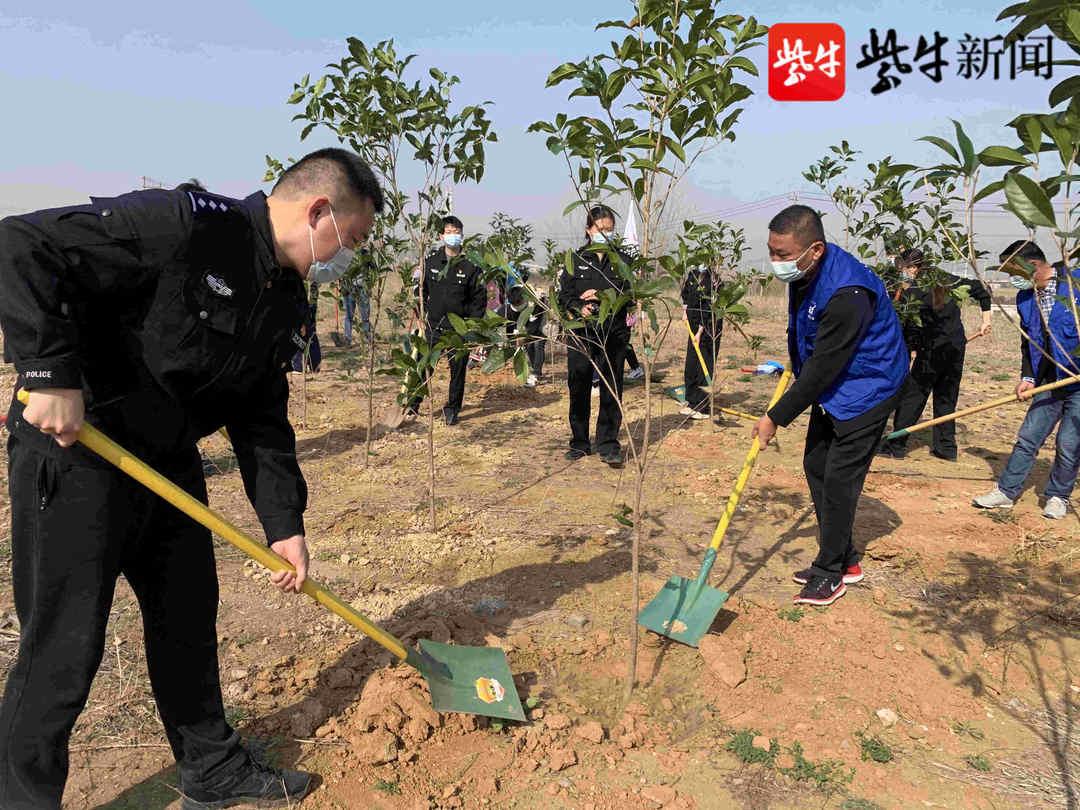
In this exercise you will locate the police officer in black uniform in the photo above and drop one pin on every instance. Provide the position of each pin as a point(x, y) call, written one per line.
point(158, 316)
point(451, 284)
point(935, 336)
point(600, 345)
point(697, 297)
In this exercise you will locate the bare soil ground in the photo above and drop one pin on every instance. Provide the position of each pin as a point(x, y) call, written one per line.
point(965, 629)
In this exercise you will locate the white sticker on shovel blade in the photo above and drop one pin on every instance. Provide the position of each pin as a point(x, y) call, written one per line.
point(489, 690)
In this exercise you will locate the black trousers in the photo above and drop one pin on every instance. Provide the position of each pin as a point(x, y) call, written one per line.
point(77, 524)
point(456, 394)
point(939, 374)
point(608, 352)
point(836, 468)
point(697, 392)
point(535, 352)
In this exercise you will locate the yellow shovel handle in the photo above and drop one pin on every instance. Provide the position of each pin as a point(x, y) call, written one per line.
point(697, 347)
point(109, 450)
point(744, 476)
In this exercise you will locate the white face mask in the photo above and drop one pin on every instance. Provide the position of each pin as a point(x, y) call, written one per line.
point(326, 272)
point(789, 271)
point(1021, 283)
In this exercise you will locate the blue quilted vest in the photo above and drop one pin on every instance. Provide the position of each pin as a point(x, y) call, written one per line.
point(880, 363)
point(1061, 324)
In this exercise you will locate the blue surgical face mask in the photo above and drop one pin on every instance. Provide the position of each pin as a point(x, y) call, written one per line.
point(453, 240)
point(604, 237)
point(789, 271)
point(326, 272)
point(1021, 283)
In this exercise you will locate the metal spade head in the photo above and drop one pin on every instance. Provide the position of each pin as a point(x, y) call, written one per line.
point(677, 393)
point(684, 610)
point(471, 680)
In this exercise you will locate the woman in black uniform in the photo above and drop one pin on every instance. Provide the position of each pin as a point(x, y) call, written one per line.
point(937, 343)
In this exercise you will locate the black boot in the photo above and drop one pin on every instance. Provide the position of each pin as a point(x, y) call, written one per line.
point(254, 783)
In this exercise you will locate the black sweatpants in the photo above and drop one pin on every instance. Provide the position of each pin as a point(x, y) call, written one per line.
point(938, 374)
point(836, 468)
point(535, 352)
point(697, 392)
point(608, 352)
point(456, 395)
point(76, 524)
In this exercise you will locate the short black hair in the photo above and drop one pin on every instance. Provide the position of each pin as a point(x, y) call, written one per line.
point(597, 213)
point(516, 295)
point(912, 257)
point(338, 173)
point(802, 222)
point(453, 222)
point(1023, 249)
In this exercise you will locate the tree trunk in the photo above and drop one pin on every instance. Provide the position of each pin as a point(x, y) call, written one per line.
point(370, 397)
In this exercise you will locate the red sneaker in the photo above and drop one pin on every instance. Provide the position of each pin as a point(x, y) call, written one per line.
point(852, 574)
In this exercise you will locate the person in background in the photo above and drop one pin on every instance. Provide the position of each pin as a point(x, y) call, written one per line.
point(848, 355)
point(598, 344)
point(697, 298)
point(934, 334)
point(1046, 303)
point(517, 301)
point(451, 284)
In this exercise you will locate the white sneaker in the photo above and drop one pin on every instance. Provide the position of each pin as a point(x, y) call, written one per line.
point(530, 381)
point(995, 499)
point(636, 373)
point(1056, 508)
point(692, 413)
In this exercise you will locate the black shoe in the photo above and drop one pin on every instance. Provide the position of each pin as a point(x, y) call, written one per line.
point(891, 450)
point(255, 783)
point(450, 415)
point(612, 458)
point(573, 454)
point(943, 456)
point(821, 591)
point(852, 573)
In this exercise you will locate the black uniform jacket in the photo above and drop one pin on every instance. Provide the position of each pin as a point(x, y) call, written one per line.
point(593, 271)
point(452, 286)
point(169, 311)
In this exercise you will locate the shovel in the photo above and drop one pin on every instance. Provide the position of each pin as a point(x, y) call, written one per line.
point(685, 608)
point(471, 680)
point(994, 403)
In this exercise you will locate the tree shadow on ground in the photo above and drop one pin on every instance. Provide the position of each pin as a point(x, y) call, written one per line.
point(1021, 611)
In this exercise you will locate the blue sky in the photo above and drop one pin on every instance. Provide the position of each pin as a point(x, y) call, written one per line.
point(99, 94)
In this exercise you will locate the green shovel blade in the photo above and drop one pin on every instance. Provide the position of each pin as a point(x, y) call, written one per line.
point(684, 610)
point(678, 393)
point(471, 680)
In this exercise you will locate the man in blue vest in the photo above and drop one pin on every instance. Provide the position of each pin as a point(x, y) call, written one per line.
point(1048, 352)
point(848, 355)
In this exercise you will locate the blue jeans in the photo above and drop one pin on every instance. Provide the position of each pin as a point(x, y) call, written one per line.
point(349, 309)
point(352, 301)
point(1047, 410)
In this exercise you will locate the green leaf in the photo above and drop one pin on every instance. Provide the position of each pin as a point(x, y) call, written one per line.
point(943, 145)
point(458, 323)
point(743, 63)
point(1028, 201)
point(966, 147)
point(992, 188)
point(521, 365)
point(1002, 156)
point(1065, 90)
